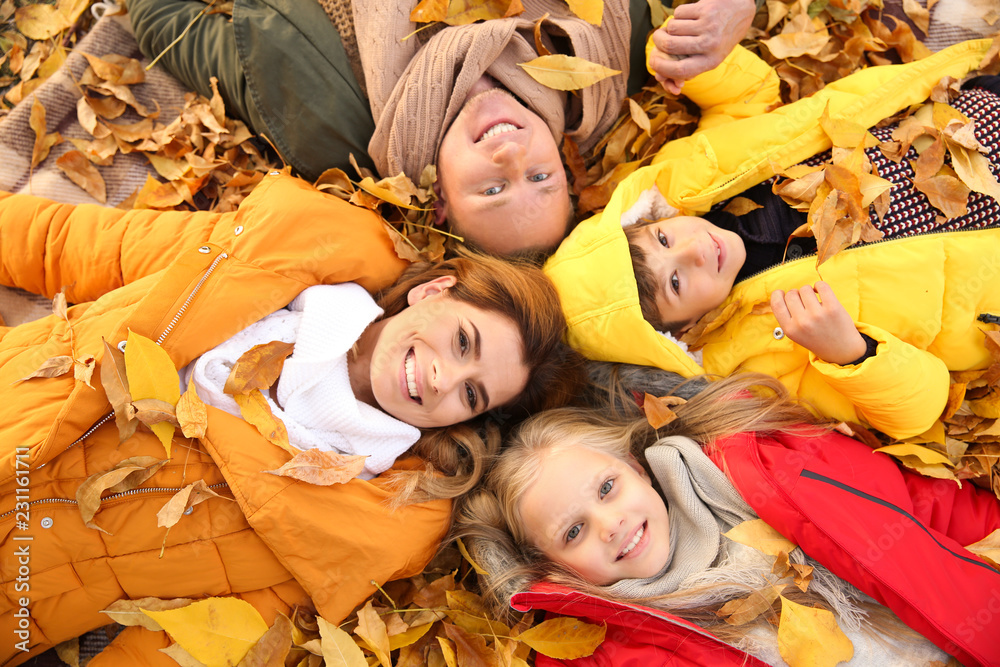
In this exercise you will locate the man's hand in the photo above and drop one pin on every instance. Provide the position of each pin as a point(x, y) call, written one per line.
point(698, 38)
point(823, 327)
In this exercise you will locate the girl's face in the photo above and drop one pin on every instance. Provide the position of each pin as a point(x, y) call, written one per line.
point(441, 361)
point(597, 515)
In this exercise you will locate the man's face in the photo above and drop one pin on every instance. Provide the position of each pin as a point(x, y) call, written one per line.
point(501, 176)
point(695, 264)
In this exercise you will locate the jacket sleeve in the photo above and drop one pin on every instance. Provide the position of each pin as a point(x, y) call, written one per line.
point(336, 539)
point(901, 390)
point(742, 85)
point(89, 249)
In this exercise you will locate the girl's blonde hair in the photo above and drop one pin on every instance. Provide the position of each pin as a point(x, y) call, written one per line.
point(748, 402)
point(519, 291)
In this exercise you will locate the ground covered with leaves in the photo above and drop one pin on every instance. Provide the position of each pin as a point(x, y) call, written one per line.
point(206, 160)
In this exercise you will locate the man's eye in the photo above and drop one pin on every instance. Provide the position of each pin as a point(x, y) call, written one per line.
point(662, 238)
point(675, 283)
point(535, 178)
point(606, 487)
point(470, 396)
point(495, 190)
point(573, 532)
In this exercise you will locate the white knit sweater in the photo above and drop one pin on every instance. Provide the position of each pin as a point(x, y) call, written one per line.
point(317, 405)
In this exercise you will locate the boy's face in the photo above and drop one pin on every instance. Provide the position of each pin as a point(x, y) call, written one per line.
point(695, 264)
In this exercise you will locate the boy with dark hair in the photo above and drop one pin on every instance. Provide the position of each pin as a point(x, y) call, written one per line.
point(868, 337)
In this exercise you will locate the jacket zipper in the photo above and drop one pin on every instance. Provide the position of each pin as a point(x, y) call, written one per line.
point(114, 496)
point(159, 341)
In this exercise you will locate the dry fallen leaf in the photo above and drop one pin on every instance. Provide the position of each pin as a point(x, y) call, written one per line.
point(564, 638)
point(43, 142)
point(371, 628)
point(988, 548)
point(191, 495)
point(52, 367)
point(192, 413)
point(463, 12)
point(216, 631)
point(255, 409)
point(657, 409)
point(338, 647)
point(810, 637)
point(591, 11)
point(744, 610)
point(563, 72)
point(152, 374)
point(258, 368)
point(760, 536)
point(321, 468)
point(115, 382)
point(123, 476)
point(129, 612)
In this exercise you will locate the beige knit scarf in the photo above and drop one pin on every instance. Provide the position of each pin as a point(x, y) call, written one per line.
point(416, 89)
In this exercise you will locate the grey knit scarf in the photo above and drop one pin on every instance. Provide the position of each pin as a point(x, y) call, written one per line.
point(701, 504)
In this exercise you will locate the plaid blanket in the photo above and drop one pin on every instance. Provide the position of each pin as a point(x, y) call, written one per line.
point(59, 95)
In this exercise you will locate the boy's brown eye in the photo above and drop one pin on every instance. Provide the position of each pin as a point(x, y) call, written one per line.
point(662, 238)
point(675, 282)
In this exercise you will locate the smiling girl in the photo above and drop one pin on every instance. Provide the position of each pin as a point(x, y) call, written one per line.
point(622, 515)
point(417, 370)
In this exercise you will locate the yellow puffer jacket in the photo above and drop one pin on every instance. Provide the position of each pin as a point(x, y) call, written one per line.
point(191, 280)
point(919, 298)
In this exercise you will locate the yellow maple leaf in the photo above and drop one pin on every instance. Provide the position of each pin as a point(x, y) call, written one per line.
point(216, 631)
point(562, 72)
point(152, 374)
point(810, 637)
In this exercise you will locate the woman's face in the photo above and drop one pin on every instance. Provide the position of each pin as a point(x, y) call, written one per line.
point(442, 361)
point(597, 515)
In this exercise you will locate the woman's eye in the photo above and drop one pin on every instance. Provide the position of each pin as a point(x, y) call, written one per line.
point(535, 178)
point(606, 487)
point(675, 283)
point(495, 190)
point(662, 238)
point(463, 341)
point(470, 396)
point(573, 532)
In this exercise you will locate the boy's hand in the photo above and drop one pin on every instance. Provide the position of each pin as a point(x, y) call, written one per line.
point(823, 327)
point(698, 38)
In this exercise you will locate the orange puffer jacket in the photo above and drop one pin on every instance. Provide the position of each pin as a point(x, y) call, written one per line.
point(188, 281)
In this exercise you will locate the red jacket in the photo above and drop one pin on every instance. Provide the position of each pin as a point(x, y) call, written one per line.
point(895, 535)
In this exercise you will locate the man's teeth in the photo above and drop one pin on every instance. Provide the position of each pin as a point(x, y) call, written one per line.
point(499, 128)
point(411, 377)
point(635, 541)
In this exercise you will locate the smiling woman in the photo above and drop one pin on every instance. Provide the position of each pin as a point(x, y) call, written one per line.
point(404, 382)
